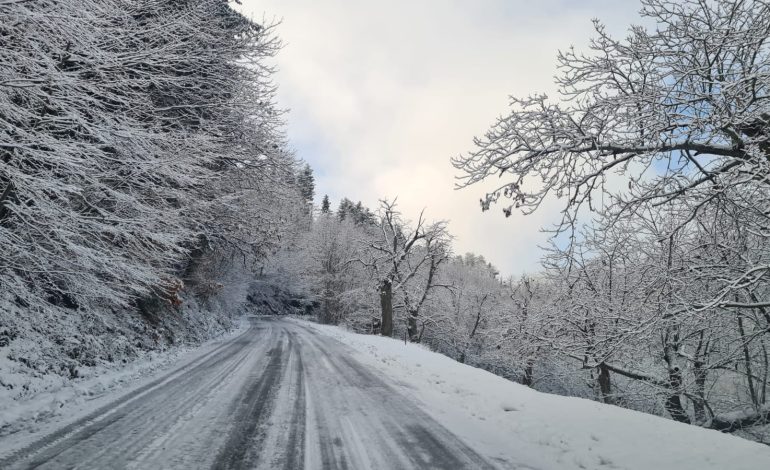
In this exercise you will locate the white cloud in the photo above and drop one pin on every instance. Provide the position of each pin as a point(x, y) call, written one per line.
point(382, 94)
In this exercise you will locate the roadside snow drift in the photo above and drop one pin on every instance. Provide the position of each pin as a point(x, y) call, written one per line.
point(521, 428)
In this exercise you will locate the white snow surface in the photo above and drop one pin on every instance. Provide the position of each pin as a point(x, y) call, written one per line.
point(521, 428)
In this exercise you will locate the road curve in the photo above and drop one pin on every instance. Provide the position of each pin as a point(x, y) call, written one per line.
point(278, 396)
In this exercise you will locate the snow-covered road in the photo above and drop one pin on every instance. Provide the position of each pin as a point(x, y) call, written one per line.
point(280, 395)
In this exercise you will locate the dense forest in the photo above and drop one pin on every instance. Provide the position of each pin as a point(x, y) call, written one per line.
point(147, 189)
point(144, 175)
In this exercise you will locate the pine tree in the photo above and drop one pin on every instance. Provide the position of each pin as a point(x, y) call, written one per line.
point(325, 205)
point(345, 208)
point(306, 183)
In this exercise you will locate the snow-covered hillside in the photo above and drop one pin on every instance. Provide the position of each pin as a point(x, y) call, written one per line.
point(533, 430)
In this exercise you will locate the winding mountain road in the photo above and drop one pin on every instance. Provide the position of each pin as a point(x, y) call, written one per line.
point(278, 396)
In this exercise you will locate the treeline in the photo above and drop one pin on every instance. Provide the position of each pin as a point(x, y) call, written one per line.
point(655, 294)
point(140, 150)
point(596, 323)
point(367, 269)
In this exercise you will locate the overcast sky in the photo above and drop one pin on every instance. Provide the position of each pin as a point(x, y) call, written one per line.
point(383, 93)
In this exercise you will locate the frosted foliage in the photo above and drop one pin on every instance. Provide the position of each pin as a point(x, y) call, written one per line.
point(122, 135)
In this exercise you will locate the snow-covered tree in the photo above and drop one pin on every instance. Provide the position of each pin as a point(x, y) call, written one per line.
point(674, 112)
point(658, 145)
point(397, 255)
point(135, 134)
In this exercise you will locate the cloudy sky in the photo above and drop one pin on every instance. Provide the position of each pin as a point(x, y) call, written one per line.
point(383, 93)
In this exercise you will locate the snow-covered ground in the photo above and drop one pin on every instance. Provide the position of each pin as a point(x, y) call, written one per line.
point(292, 394)
point(62, 401)
point(533, 430)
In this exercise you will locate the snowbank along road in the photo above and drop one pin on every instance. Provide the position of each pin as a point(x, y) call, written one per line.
point(279, 395)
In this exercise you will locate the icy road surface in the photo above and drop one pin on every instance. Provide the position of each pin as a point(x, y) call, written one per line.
point(280, 395)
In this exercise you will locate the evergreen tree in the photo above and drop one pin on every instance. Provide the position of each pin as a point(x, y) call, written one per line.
point(345, 208)
point(325, 205)
point(356, 212)
point(306, 183)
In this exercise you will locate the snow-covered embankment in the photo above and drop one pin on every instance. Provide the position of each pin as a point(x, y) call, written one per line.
point(529, 429)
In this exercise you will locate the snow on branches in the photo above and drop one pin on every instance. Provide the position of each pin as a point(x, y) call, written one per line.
point(682, 111)
point(659, 149)
point(121, 126)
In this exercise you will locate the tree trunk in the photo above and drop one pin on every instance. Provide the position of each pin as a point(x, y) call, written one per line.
point(330, 309)
point(529, 370)
point(326, 312)
point(7, 195)
point(605, 383)
point(676, 410)
point(699, 404)
point(701, 374)
point(386, 303)
point(747, 362)
point(674, 401)
point(411, 327)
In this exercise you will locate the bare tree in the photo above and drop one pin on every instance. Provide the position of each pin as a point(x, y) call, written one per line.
point(396, 256)
point(679, 112)
point(664, 136)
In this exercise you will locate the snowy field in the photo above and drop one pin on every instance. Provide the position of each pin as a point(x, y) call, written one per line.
point(534, 430)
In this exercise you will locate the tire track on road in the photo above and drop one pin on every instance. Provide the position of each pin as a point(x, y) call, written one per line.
point(280, 395)
point(53, 444)
point(295, 448)
point(394, 431)
point(252, 408)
